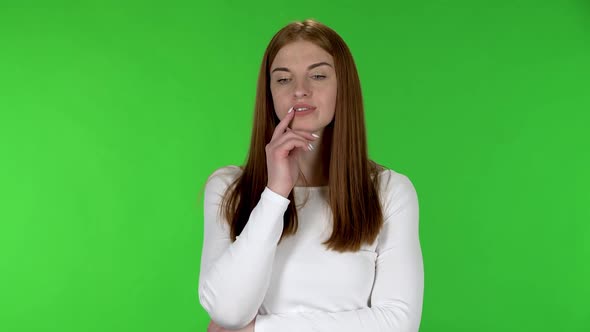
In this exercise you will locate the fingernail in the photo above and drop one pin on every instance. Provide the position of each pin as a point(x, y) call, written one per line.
point(310, 146)
point(290, 110)
point(314, 135)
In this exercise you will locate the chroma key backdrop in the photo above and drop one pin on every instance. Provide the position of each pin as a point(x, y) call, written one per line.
point(114, 113)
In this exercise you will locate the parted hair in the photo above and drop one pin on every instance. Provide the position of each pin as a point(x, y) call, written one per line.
point(353, 179)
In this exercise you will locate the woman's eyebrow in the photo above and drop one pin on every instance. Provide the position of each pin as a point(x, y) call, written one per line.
point(308, 68)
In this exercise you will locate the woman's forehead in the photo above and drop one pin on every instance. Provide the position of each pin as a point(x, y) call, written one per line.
point(301, 54)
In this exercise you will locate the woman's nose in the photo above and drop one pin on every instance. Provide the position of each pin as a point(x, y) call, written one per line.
point(302, 89)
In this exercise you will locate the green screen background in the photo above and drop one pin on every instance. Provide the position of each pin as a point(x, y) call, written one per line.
point(112, 116)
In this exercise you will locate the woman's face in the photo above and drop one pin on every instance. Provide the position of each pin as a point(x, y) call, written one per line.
point(302, 75)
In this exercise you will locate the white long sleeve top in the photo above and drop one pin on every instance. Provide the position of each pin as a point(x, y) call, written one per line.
point(299, 285)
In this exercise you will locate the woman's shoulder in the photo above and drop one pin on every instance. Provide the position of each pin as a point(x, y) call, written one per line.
point(392, 181)
point(225, 175)
point(227, 171)
point(396, 189)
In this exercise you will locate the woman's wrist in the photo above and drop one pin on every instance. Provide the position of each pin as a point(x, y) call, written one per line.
point(279, 190)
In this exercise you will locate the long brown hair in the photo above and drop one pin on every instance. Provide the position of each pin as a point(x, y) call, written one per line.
point(353, 190)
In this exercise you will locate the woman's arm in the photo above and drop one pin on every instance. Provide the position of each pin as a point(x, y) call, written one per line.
point(396, 299)
point(234, 276)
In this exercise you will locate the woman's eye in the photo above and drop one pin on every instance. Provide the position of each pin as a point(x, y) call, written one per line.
point(318, 77)
point(282, 80)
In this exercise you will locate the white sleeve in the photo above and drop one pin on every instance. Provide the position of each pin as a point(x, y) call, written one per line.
point(397, 295)
point(234, 277)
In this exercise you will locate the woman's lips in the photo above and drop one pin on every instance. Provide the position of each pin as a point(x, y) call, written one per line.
point(301, 113)
point(303, 109)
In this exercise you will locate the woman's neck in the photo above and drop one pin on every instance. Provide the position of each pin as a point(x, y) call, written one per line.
point(315, 164)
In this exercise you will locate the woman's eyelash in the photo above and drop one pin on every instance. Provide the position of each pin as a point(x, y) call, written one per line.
point(317, 77)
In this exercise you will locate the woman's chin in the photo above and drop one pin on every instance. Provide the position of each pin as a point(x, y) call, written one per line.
point(304, 125)
point(308, 129)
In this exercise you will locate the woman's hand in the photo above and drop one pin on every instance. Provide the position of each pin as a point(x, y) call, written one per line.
point(281, 155)
point(216, 328)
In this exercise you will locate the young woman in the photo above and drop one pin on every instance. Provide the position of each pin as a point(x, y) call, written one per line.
point(310, 234)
